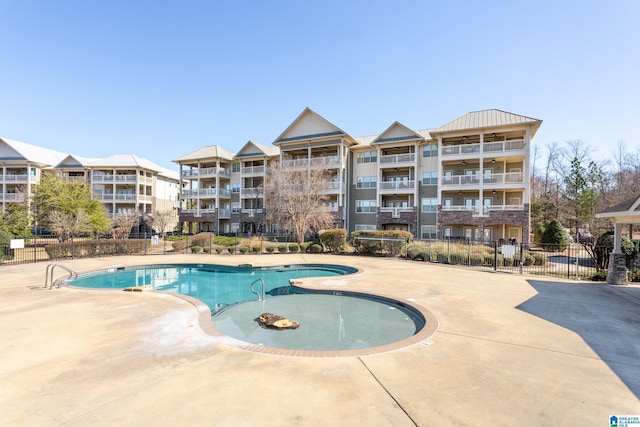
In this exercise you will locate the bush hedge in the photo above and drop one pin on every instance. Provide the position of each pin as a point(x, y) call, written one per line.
point(334, 239)
point(378, 245)
point(94, 247)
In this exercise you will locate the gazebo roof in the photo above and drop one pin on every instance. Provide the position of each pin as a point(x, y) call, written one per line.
point(627, 212)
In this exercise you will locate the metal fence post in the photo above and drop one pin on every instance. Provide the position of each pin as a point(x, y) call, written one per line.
point(569, 261)
point(469, 252)
point(521, 257)
point(495, 255)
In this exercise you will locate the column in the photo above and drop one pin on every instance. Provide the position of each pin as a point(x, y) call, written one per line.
point(617, 271)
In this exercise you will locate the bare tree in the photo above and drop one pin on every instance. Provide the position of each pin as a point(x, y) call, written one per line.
point(162, 221)
point(123, 223)
point(64, 225)
point(295, 197)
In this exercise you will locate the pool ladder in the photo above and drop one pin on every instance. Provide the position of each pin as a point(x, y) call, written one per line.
point(48, 278)
point(260, 298)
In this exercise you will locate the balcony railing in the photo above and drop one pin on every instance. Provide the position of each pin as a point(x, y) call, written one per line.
point(487, 147)
point(252, 212)
point(17, 178)
point(252, 193)
point(397, 185)
point(252, 170)
point(316, 162)
point(494, 178)
point(396, 211)
point(478, 210)
point(12, 197)
point(398, 158)
point(206, 172)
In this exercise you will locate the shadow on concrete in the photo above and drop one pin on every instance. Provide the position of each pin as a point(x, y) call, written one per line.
point(606, 317)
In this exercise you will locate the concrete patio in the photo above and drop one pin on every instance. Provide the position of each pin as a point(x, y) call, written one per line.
point(510, 350)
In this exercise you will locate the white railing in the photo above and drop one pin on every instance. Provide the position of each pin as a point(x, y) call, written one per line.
point(323, 161)
point(251, 192)
point(206, 172)
point(224, 192)
point(460, 180)
point(484, 209)
point(17, 178)
point(224, 213)
point(512, 145)
point(207, 192)
point(502, 178)
point(398, 158)
point(253, 170)
point(251, 212)
point(13, 197)
point(396, 185)
point(396, 211)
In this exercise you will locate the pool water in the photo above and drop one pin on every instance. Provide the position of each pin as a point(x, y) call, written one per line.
point(329, 320)
point(215, 285)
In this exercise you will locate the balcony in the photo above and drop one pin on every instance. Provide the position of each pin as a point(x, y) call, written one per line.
point(474, 180)
point(252, 193)
point(252, 171)
point(397, 186)
point(478, 211)
point(12, 197)
point(396, 159)
point(17, 178)
point(396, 211)
point(325, 162)
point(206, 173)
point(251, 212)
point(466, 150)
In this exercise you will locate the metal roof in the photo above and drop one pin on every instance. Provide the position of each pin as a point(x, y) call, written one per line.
point(33, 153)
point(485, 119)
point(208, 152)
point(126, 160)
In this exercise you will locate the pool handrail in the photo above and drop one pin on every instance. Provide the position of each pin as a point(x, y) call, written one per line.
point(254, 291)
point(48, 278)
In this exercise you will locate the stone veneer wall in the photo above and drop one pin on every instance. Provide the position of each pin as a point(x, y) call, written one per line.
point(617, 273)
point(519, 218)
point(410, 218)
point(204, 217)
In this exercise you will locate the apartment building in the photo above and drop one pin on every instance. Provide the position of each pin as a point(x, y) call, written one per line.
point(466, 179)
point(124, 183)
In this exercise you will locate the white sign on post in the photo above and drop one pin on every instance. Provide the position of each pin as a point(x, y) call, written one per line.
point(17, 244)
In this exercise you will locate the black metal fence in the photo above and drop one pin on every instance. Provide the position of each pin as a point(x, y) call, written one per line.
point(574, 261)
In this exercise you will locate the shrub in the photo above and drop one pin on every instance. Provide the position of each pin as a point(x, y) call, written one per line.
point(600, 276)
point(305, 246)
point(555, 237)
point(282, 248)
point(220, 249)
point(244, 249)
point(634, 276)
point(226, 241)
point(206, 249)
point(256, 249)
point(316, 248)
point(271, 249)
point(196, 249)
point(334, 239)
point(378, 244)
point(294, 247)
point(539, 258)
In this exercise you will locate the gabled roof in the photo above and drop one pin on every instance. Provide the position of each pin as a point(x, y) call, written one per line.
point(397, 132)
point(208, 152)
point(311, 125)
point(627, 211)
point(253, 149)
point(486, 119)
point(126, 160)
point(72, 161)
point(171, 174)
point(16, 150)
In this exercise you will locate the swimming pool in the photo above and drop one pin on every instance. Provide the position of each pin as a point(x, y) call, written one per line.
point(329, 320)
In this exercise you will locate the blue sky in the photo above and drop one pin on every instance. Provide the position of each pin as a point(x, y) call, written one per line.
point(160, 79)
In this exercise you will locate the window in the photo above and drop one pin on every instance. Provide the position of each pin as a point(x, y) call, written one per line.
point(365, 206)
point(235, 227)
point(360, 227)
point(430, 150)
point(235, 208)
point(430, 178)
point(235, 167)
point(429, 205)
point(235, 187)
point(428, 232)
point(367, 157)
point(367, 182)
